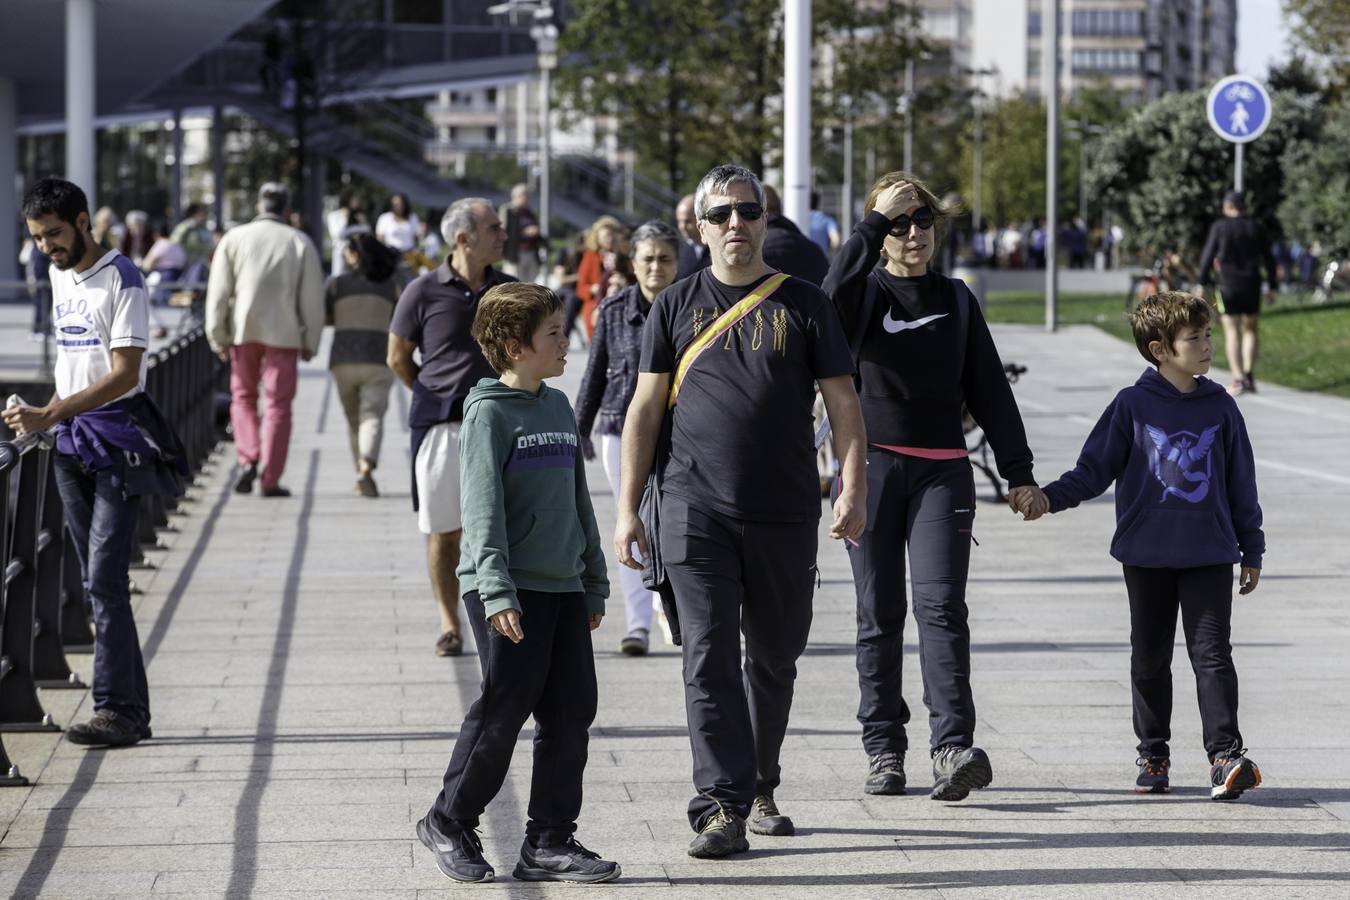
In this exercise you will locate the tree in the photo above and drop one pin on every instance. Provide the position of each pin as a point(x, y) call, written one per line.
point(1164, 171)
point(1316, 204)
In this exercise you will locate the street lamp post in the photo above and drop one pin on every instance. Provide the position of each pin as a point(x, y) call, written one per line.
point(846, 207)
point(545, 35)
point(909, 116)
point(1050, 78)
point(797, 111)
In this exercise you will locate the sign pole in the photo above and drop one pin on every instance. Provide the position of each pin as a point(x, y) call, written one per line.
point(1237, 167)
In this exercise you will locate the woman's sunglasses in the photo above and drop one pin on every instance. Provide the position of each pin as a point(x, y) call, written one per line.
point(720, 215)
point(923, 217)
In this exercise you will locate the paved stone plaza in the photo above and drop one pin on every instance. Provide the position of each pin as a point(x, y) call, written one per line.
point(302, 722)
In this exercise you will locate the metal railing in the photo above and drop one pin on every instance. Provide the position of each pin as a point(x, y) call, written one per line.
point(43, 610)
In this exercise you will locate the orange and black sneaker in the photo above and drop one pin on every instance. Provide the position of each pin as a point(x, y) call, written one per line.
point(1152, 775)
point(1231, 775)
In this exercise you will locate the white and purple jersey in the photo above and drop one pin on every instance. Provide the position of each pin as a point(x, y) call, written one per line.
point(93, 313)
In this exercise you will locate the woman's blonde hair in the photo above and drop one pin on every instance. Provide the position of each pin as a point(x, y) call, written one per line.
point(600, 224)
point(943, 212)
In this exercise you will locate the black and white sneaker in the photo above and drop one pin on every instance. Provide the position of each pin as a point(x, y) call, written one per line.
point(885, 774)
point(458, 855)
point(1230, 776)
point(959, 770)
point(568, 862)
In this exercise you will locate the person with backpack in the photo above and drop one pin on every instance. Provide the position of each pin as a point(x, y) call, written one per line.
point(921, 350)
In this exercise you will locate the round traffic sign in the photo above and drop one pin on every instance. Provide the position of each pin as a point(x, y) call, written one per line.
point(1238, 108)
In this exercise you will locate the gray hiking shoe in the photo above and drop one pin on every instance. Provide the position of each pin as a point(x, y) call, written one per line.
point(766, 819)
point(959, 770)
point(722, 835)
point(885, 774)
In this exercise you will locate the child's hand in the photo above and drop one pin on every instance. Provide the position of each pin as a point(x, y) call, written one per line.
point(1248, 579)
point(595, 620)
point(1030, 501)
point(507, 623)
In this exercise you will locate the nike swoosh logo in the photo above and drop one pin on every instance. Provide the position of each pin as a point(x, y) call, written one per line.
point(895, 326)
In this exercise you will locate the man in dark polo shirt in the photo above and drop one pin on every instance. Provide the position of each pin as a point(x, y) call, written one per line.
point(740, 500)
point(434, 315)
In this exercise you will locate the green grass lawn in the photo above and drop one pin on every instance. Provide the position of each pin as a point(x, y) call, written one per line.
point(1302, 346)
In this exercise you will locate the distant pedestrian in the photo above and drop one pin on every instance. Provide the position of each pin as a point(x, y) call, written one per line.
point(397, 226)
point(1238, 247)
point(349, 215)
point(606, 253)
point(786, 248)
point(533, 607)
point(433, 317)
point(359, 305)
point(264, 312)
point(136, 239)
point(924, 355)
point(197, 242)
point(524, 236)
point(607, 389)
point(1177, 449)
point(739, 497)
point(824, 228)
point(693, 252)
point(113, 445)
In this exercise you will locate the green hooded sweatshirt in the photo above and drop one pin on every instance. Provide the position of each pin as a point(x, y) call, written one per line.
point(528, 521)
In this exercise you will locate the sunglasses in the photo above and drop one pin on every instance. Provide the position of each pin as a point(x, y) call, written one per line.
point(720, 215)
point(923, 217)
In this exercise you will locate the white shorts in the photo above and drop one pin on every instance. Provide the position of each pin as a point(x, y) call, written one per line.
point(437, 470)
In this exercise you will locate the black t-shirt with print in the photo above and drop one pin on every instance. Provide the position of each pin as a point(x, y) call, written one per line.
point(741, 432)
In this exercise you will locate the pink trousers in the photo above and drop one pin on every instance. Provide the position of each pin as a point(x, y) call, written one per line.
point(275, 368)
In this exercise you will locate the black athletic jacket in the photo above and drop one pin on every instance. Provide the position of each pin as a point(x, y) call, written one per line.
point(914, 376)
point(1241, 247)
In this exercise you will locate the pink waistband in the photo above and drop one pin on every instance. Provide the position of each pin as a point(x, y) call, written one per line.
point(925, 452)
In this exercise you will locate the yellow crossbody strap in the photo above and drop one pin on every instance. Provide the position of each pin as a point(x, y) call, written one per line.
point(725, 322)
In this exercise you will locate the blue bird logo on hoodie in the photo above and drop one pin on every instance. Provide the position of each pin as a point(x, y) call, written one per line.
point(1176, 462)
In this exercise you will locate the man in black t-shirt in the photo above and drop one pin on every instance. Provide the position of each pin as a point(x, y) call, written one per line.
point(740, 499)
point(1239, 246)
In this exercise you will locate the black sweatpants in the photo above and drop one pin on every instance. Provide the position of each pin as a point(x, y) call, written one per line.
point(928, 505)
point(550, 675)
point(1205, 597)
point(732, 576)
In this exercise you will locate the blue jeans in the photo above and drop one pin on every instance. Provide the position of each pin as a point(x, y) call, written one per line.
point(103, 524)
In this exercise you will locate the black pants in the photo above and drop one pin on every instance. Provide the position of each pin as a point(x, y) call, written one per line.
point(102, 524)
point(732, 576)
point(1205, 597)
point(928, 505)
point(550, 674)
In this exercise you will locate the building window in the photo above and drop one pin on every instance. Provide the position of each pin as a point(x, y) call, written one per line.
point(1108, 22)
point(1109, 61)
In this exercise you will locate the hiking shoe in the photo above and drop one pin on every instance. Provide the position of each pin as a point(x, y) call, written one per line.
point(107, 729)
point(458, 855)
point(1231, 775)
point(275, 491)
point(635, 644)
point(449, 644)
point(959, 770)
point(1152, 775)
point(722, 835)
point(244, 483)
point(766, 819)
point(568, 862)
point(885, 774)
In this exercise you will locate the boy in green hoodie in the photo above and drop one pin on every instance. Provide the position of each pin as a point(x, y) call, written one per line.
point(533, 575)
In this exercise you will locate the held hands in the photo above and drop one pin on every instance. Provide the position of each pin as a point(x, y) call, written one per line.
point(627, 532)
point(1248, 579)
point(595, 620)
point(1030, 501)
point(507, 624)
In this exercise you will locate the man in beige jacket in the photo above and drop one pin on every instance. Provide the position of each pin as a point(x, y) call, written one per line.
point(264, 308)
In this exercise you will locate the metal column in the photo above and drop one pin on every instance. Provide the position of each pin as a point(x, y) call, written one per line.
point(797, 112)
point(81, 85)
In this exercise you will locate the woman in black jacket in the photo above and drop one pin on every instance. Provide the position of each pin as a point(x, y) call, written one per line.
point(609, 382)
point(922, 349)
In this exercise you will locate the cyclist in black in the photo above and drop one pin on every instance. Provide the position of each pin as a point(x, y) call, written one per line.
point(1239, 246)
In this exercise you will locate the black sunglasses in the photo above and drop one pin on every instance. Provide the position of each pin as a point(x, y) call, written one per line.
point(923, 217)
point(720, 215)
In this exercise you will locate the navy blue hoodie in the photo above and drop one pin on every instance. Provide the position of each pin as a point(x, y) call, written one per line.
point(1184, 472)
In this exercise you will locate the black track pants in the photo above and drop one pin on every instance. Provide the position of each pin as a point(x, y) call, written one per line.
point(929, 506)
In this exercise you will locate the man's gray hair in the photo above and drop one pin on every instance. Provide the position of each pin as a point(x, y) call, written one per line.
point(719, 179)
point(461, 218)
point(273, 198)
point(659, 231)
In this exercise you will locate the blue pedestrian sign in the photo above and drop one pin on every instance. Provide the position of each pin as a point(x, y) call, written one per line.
point(1239, 109)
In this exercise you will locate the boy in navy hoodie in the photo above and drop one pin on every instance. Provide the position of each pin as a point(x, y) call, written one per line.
point(1186, 512)
point(533, 575)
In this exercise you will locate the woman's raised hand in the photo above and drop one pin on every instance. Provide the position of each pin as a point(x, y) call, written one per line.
point(897, 199)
